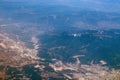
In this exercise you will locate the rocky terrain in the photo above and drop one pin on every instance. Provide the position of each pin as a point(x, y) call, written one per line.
point(14, 54)
point(86, 72)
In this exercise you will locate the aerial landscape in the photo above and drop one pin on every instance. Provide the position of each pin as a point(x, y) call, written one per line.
point(59, 40)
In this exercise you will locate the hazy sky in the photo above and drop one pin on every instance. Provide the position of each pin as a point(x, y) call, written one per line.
point(98, 5)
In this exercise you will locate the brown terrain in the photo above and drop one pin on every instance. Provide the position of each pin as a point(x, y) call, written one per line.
point(13, 54)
